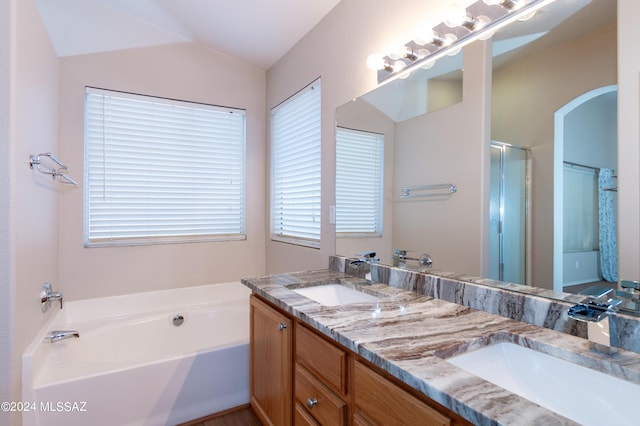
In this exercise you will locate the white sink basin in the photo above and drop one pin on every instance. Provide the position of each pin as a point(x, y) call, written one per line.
point(581, 394)
point(334, 294)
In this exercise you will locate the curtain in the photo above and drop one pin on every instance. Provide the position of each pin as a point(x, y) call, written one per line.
point(607, 221)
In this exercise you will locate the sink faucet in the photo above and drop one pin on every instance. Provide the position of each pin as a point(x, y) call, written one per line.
point(366, 258)
point(596, 311)
point(57, 335)
point(400, 259)
point(630, 287)
point(48, 295)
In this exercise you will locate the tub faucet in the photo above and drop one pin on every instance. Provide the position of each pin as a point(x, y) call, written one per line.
point(597, 311)
point(57, 335)
point(47, 296)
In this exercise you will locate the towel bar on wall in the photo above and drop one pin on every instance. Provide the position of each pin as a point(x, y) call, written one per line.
point(442, 190)
point(57, 173)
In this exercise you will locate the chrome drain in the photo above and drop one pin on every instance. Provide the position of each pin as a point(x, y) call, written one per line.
point(178, 320)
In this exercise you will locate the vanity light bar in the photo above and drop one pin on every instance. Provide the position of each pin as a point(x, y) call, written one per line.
point(462, 27)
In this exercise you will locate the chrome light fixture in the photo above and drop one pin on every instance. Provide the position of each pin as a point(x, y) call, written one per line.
point(460, 27)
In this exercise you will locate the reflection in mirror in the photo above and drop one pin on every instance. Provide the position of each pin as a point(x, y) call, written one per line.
point(508, 213)
point(377, 113)
point(425, 90)
point(539, 68)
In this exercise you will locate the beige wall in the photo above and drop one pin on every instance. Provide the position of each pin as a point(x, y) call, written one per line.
point(32, 198)
point(7, 279)
point(437, 148)
point(181, 71)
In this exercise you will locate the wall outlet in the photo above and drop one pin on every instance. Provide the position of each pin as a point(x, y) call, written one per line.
point(577, 264)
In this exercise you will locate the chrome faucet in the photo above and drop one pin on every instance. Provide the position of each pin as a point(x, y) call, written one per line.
point(57, 335)
point(47, 296)
point(400, 259)
point(597, 311)
point(630, 287)
point(366, 258)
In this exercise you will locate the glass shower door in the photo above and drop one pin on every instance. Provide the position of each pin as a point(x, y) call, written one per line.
point(508, 214)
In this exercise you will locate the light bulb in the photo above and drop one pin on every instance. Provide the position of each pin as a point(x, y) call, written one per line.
point(398, 51)
point(456, 15)
point(428, 64)
point(422, 53)
point(507, 4)
point(514, 4)
point(482, 21)
point(375, 62)
point(404, 75)
point(398, 66)
point(449, 39)
point(423, 37)
point(454, 51)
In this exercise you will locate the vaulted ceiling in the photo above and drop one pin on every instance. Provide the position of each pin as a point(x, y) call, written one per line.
point(258, 32)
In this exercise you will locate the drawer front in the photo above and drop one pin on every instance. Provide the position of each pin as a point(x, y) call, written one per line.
point(318, 399)
point(302, 418)
point(384, 403)
point(323, 358)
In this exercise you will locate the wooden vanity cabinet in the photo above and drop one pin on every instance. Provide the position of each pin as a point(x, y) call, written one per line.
point(320, 378)
point(378, 401)
point(271, 359)
point(300, 376)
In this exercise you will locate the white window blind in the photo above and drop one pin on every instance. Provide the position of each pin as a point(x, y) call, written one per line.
point(162, 171)
point(580, 209)
point(295, 168)
point(359, 182)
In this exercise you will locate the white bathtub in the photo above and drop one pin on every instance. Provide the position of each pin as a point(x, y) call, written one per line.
point(133, 366)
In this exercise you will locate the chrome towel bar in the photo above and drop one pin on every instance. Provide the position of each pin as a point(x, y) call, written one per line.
point(441, 190)
point(57, 173)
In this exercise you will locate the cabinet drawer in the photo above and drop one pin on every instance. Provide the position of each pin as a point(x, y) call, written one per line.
point(382, 402)
point(322, 358)
point(302, 418)
point(326, 407)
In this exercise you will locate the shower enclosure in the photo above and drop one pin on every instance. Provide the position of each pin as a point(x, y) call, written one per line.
point(509, 213)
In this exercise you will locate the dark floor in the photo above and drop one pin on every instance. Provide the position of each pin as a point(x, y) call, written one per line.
point(243, 417)
point(575, 289)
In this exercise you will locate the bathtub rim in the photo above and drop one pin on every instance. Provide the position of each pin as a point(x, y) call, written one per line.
point(38, 350)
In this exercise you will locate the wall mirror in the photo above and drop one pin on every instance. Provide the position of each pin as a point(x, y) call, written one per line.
point(527, 206)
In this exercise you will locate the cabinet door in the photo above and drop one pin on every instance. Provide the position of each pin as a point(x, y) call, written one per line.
point(380, 402)
point(271, 364)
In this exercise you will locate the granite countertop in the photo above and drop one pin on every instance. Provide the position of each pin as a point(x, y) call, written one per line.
point(410, 336)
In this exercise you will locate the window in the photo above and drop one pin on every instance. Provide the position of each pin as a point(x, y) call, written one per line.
point(359, 183)
point(295, 168)
point(580, 209)
point(162, 171)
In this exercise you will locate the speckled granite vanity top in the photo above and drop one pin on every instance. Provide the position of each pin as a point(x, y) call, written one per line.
point(410, 336)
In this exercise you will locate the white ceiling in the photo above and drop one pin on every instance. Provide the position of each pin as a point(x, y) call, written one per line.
point(258, 32)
